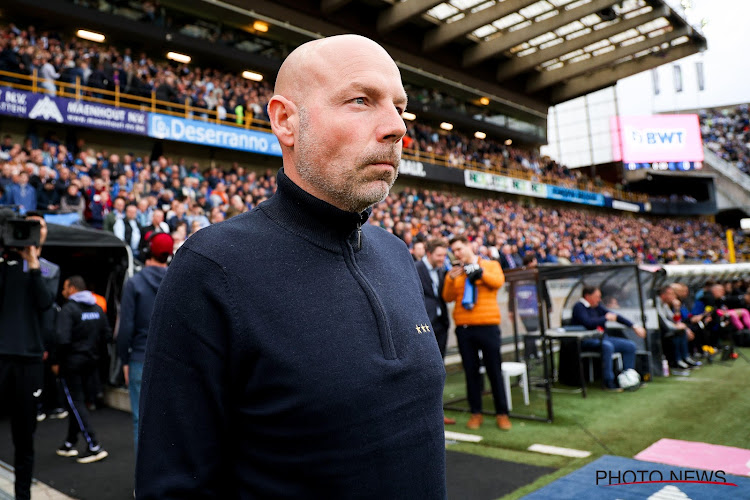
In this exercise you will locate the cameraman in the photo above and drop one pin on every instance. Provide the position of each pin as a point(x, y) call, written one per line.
point(23, 299)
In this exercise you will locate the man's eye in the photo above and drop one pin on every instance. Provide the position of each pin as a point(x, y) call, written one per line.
point(359, 100)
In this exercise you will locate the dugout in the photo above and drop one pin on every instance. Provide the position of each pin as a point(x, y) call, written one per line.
point(101, 258)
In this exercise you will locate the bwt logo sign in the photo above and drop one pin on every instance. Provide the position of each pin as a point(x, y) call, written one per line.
point(656, 137)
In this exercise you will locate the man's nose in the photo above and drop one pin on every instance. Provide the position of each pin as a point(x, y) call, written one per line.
point(392, 127)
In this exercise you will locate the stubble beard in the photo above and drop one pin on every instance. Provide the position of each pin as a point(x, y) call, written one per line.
point(352, 190)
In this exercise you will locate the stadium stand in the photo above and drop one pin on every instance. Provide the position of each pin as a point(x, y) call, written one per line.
point(727, 133)
point(212, 95)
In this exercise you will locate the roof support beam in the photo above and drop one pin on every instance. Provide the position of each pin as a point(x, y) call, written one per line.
point(445, 33)
point(582, 85)
point(507, 40)
point(519, 65)
point(549, 78)
point(399, 13)
point(330, 6)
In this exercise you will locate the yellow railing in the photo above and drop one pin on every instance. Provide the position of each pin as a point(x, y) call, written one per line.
point(119, 99)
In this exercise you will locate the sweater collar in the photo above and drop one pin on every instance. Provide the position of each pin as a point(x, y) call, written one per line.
point(312, 218)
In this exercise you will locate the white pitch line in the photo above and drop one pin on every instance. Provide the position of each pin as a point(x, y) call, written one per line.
point(556, 450)
point(458, 436)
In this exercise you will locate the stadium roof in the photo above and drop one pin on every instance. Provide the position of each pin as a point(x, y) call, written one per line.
point(523, 54)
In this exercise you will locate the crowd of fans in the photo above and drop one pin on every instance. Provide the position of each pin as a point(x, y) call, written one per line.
point(726, 132)
point(231, 98)
point(554, 235)
point(46, 175)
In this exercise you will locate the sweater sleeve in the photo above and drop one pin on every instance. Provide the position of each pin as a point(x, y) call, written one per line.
point(127, 322)
point(183, 451)
point(492, 274)
point(450, 292)
point(42, 295)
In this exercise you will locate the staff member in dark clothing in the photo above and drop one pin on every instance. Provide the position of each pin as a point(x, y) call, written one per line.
point(431, 271)
point(23, 299)
point(81, 325)
point(290, 354)
point(136, 307)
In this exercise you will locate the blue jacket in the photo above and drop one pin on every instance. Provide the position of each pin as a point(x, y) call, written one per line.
point(593, 317)
point(136, 306)
point(26, 197)
point(290, 356)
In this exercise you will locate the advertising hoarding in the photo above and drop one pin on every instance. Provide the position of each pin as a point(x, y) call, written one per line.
point(64, 111)
point(665, 142)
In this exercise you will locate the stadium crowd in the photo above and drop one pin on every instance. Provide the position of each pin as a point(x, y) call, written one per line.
point(46, 175)
point(235, 99)
point(726, 132)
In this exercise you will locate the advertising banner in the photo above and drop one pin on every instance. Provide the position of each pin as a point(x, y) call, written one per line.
point(66, 111)
point(493, 182)
point(575, 196)
point(428, 171)
point(212, 134)
point(656, 139)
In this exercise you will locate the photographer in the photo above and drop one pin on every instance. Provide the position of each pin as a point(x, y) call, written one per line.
point(23, 299)
point(473, 283)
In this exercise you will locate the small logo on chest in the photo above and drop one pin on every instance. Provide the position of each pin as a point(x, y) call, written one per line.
point(423, 329)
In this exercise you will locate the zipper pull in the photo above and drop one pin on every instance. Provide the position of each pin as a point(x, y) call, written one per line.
point(359, 236)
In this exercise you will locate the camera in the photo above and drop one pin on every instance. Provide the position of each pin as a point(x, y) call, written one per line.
point(17, 232)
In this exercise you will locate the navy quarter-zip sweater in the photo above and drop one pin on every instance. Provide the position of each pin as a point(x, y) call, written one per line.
point(290, 356)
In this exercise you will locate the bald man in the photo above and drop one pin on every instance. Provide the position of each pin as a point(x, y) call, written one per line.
point(290, 354)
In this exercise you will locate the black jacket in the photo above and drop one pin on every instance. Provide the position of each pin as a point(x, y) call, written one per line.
point(431, 302)
point(290, 356)
point(23, 300)
point(81, 328)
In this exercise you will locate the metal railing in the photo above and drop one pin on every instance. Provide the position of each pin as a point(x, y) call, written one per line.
point(185, 109)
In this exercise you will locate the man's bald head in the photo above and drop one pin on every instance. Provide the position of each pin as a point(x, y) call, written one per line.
point(337, 114)
point(313, 63)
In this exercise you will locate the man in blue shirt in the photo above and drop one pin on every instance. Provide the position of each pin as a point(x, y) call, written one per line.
point(591, 314)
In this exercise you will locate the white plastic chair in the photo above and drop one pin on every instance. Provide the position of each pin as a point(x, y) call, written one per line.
point(514, 369)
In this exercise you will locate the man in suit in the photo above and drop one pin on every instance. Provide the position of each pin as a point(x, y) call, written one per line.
point(509, 259)
point(431, 271)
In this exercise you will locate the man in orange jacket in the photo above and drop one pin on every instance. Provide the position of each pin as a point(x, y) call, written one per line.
point(473, 284)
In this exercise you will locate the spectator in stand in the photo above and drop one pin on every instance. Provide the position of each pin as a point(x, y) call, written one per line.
point(48, 74)
point(509, 259)
point(22, 194)
point(47, 197)
point(73, 201)
point(117, 212)
point(127, 229)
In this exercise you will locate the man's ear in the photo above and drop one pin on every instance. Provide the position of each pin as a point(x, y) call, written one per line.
point(284, 119)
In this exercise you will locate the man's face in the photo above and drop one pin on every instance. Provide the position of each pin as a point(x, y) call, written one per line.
point(131, 212)
point(668, 296)
point(595, 298)
point(348, 144)
point(462, 251)
point(437, 257)
point(66, 289)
